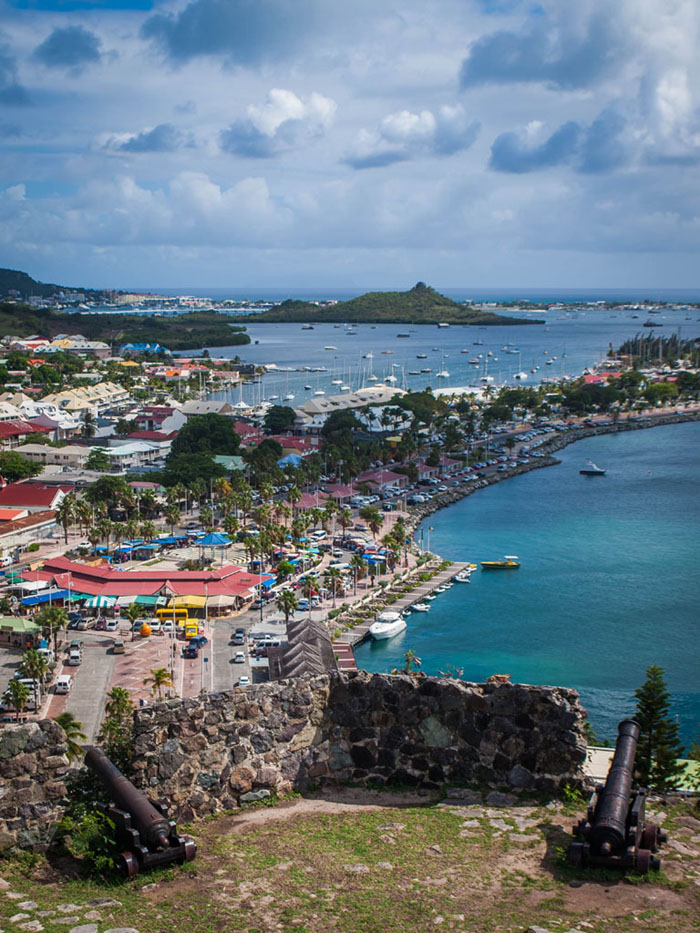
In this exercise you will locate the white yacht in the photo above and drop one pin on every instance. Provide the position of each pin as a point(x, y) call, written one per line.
point(387, 625)
point(420, 607)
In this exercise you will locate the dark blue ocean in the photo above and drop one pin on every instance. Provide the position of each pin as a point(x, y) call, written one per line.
point(608, 582)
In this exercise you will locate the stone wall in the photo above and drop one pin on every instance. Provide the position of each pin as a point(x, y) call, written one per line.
point(33, 765)
point(223, 749)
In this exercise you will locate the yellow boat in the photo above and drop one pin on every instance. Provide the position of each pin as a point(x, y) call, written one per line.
point(509, 562)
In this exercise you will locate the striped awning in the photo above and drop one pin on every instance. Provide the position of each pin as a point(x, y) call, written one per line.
point(100, 602)
point(144, 600)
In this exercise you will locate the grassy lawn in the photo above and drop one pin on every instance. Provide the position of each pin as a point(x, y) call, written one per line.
point(358, 867)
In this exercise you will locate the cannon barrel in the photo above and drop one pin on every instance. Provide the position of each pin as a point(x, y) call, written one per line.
point(609, 830)
point(153, 828)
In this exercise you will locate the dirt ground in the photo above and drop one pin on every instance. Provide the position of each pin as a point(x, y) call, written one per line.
point(352, 860)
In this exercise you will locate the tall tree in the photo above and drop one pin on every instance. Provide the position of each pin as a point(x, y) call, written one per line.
point(287, 603)
point(74, 735)
point(18, 694)
point(66, 514)
point(116, 733)
point(159, 678)
point(659, 747)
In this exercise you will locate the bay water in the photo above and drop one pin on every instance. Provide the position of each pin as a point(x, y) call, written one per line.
point(608, 582)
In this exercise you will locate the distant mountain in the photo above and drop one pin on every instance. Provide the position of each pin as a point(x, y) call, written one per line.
point(420, 305)
point(20, 285)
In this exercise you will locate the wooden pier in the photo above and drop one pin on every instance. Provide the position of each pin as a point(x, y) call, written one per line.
point(359, 633)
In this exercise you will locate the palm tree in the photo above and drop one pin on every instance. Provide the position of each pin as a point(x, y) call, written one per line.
point(345, 518)
point(206, 517)
point(148, 531)
point(287, 603)
point(74, 735)
point(230, 524)
point(310, 587)
point(198, 488)
point(18, 694)
point(373, 518)
point(333, 576)
point(160, 677)
point(53, 620)
point(36, 666)
point(83, 513)
point(66, 514)
point(172, 516)
point(89, 427)
point(359, 565)
point(94, 537)
point(293, 495)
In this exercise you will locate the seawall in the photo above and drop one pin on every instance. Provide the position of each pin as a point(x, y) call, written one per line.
point(548, 448)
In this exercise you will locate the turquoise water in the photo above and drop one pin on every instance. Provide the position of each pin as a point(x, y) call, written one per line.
point(608, 582)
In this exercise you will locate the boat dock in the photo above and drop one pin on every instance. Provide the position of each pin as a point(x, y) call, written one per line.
point(360, 632)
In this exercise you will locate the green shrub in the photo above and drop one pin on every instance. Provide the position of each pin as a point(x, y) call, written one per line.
point(34, 546)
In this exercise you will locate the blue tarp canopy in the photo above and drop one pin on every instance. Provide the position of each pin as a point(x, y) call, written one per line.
point(44, 597)
point(268, 583)
point(215, 539)
point(171, 539)
point(145, 547)
point(290, 460)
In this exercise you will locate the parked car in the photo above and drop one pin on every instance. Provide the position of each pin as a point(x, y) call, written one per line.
point(75, 657)
point(167, 627)
point(118, 647)
point(239, 657)
point(199, 641)
point(112, 625)
point(77, 643)
point(191, 651)
point(64, 683)
point(244, 681)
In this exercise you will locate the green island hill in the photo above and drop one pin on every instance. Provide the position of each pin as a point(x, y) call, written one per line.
point(420, 305)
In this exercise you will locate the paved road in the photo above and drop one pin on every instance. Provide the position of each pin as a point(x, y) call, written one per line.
point(91, 681)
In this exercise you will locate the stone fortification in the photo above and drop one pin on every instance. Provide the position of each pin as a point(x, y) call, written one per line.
point(33, 765)
point(223, 749)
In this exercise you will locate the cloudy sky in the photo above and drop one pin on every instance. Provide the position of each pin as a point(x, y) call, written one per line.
point(292, 143)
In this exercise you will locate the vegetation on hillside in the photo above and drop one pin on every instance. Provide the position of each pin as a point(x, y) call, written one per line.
point(420, 305)
point(197, 329)
point(13, 281)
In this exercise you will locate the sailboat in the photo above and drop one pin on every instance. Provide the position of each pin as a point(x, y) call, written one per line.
point(443, 374)
point(521, 374)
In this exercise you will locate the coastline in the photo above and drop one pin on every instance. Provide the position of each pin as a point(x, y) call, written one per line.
point(558, 442)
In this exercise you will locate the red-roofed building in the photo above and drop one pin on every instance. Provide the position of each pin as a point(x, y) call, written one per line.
point(312, 500)
point(339, 492)
point(382, 478)
point(34, 497)
point(229, 580)
point(600, 379)
point(15, 432)
point(449, 465)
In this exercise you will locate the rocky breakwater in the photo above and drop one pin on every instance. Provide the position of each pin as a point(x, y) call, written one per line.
point(221, 750)
point(33, 765)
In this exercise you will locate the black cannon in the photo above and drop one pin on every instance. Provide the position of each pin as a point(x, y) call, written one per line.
point(613, 834)
point(143, 831)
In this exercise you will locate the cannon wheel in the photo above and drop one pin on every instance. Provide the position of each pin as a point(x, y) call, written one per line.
point(644, 860)
point(650, 837)
point(190, 849)
point(128, 864)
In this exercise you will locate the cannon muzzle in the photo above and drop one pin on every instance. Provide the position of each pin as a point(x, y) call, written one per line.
point(613, 834)
point(142, 826)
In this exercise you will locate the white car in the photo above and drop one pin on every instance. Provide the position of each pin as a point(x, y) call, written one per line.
point(156, 626)
point(244, 681)
point(167, 626)
point(239, 657)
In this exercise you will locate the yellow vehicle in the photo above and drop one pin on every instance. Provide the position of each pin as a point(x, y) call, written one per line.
point(180, 616)
point(191, 629)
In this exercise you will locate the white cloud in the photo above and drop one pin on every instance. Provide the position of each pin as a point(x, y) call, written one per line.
point(402, 136)
point(283, 122)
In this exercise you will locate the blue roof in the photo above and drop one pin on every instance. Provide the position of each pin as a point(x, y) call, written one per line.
point(215, 539)
point(44, 597)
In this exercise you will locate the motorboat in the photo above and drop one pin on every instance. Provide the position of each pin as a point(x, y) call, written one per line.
point(421, 356)
point(509, 562)
point(431, 597)
point(420, 607)
point(308, 388)
point(307, 327)
point(319, 392)
point(387, 625)
point(441, 589)
point(330, 348)
point(345, 388)
point(592, 470)
point(289, 397)
point(462, 577)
